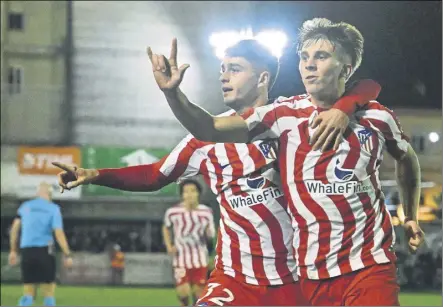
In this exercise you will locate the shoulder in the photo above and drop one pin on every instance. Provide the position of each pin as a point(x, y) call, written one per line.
point(55, 207)
point(291, 99)
point(204, 208)
point(376, 110)
point(190, 142)
point(380, 117)
point(296, 103)
point(178, 208)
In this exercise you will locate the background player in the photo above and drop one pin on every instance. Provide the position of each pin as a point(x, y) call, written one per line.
point(254, 263)
point(343, 230)
point(38, 219)
point(187, 229)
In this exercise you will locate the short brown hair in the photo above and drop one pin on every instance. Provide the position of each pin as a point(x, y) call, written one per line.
point(256, 53)
point(343, 34)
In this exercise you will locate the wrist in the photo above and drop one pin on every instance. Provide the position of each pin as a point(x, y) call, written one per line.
point(67, 255)
point(171, 93)
point(346, 104)
point(410, 219)
point(95, 174)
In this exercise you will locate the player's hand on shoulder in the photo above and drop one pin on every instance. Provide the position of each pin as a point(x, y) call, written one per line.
point(12, 259)
point(414, 235)
point(167, 74)
point(72, 176)
point(331, 126)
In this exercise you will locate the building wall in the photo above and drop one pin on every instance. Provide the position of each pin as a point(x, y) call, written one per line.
point(33, 114)
point(418, 123)
point(117, 101)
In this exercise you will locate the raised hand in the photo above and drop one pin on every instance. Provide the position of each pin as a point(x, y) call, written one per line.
point(73, 176)
point(167, 74)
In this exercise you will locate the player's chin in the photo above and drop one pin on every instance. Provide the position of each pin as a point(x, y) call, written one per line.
point(313, 89)
point(229, 100)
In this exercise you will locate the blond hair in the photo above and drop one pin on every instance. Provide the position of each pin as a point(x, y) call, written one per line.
point(341, 35)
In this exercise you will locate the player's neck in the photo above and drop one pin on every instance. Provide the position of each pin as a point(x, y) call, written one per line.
point(190, 207)
point(327, 100)
point(44, 196)
point(260, 101)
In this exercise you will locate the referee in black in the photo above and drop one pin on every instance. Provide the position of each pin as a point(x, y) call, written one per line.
point(38, 219)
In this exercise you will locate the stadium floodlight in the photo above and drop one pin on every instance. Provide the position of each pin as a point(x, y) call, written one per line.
point(434, 137)
point(274, 40)
point(223, 40)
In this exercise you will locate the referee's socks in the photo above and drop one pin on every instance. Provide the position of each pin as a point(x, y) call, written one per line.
point(49, 301)
point(26, 300)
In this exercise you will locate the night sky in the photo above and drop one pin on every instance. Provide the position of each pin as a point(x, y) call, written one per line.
point(403, 45)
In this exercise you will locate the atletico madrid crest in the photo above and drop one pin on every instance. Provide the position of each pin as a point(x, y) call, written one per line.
point(364, 137)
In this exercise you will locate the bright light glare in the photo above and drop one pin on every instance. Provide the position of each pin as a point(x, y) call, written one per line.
point(274, 40)
point(434, 137)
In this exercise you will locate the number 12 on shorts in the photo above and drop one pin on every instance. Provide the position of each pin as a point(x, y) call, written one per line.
point(217, 300)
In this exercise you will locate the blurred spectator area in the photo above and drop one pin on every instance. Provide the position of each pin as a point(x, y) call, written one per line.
point(97, 235)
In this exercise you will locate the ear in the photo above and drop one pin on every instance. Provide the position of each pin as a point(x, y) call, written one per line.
point(264, 79)
point(346, 71)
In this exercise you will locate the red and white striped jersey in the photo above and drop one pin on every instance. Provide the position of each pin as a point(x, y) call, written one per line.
point(191, 229)
point(254, 243)
point(340, 220)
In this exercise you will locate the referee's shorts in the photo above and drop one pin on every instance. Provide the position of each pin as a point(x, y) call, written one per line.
point(38, 264)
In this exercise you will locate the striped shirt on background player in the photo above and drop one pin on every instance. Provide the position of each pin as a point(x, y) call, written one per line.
point(190, 229)
point(335, 197)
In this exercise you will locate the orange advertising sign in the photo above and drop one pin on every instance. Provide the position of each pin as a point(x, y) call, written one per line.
point(38, 160)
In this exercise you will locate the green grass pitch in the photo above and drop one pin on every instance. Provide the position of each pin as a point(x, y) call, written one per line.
point(101, 296)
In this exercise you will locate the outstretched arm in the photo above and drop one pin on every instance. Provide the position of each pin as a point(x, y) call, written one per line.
point(184, 160)
point(204, 126)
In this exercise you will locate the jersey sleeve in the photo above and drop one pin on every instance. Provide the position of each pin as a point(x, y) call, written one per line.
point(262, 122)
point(358, 95)
point(184, 160)
point(57, 220)
point(19, 211)
point(385, 121)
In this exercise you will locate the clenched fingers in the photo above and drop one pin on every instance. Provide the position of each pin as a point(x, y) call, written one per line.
point(415, 242)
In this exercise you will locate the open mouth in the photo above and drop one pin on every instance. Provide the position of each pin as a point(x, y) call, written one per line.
point(226, 90)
